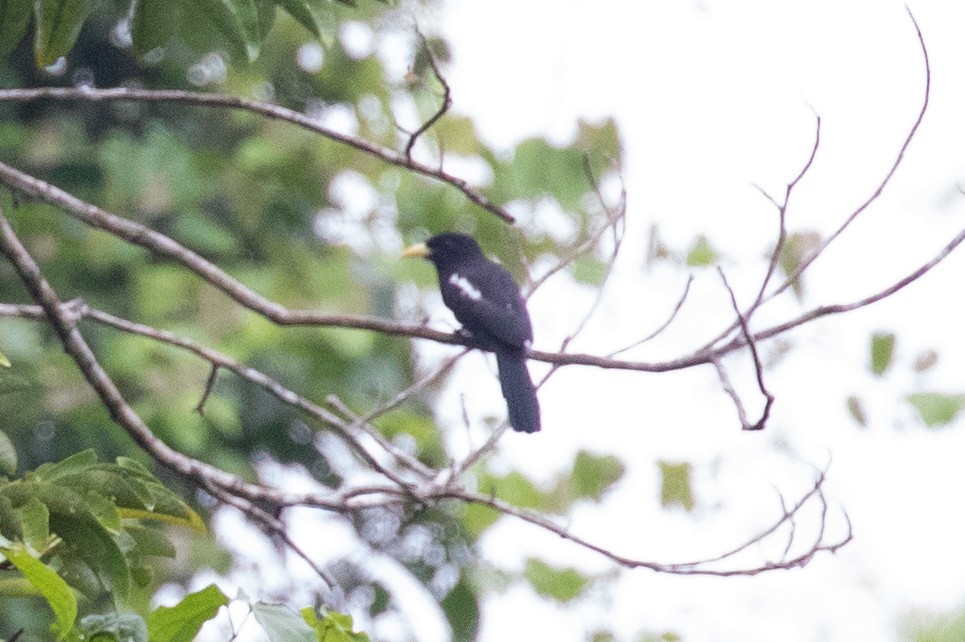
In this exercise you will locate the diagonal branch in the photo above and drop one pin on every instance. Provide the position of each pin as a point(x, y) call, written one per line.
point(64, 324)
point(267, 110)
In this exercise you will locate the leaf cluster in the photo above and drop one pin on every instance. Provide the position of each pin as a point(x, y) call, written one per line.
point(239, 26)
point(77, 525)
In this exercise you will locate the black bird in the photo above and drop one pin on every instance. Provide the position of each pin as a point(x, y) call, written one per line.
point(486, 301)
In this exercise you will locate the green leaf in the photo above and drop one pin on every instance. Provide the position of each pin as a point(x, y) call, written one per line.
point(538, 169)
point(476, 518)
point(58, 25)
point(104, 511)
point(303, 12)
point(589, 269)
point(151, 542)
point(10, 526)
point(8, 456)
point(461, 607)
point(593, 475)
point(601, 144)
point(14, 16)
point(35, 522)
point(675, 487)
point(120, 627)
point(76, 463)
point(206, 235)
point(561, 584)
point(4, 362)
point(93, 544)
point(266, 17)
point(282, 624)
point(55, 590)
point(882, 351)
point(701, 254)
point(153, 23)
point(79, 575)
point(936, 408)
point(135, 493)
point(182, 622)
point(239, 22)
point(516, 489)
point(333, 627)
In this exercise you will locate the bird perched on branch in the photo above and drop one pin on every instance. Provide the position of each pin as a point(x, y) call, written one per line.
point(487, 302)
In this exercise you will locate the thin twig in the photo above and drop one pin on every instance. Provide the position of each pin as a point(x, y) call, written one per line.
point(615, 221)
point(701, 567)
point(443, 107)
point(663, 326)
point(876, 193)
point(792, 278)
point(758, 366)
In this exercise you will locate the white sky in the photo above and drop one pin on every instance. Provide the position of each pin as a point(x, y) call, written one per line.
point(711, 97)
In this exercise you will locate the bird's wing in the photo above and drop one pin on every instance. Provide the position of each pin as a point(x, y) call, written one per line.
point(489, 304)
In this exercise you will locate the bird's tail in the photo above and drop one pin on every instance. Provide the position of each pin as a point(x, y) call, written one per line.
point(519, 391)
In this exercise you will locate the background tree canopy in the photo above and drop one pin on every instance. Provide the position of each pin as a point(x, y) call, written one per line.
point(213, 362)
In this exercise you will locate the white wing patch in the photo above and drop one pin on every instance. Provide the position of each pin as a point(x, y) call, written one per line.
point(465, 286)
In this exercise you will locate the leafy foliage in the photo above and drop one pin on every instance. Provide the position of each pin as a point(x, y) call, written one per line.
point(241, 26)
point(71, 526)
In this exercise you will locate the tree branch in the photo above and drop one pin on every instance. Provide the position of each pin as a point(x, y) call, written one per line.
point(709, 566)
point(443, 107)
point(267, 110)
point(758, 366)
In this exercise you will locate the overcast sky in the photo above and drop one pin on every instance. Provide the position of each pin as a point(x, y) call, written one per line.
point(713, 97)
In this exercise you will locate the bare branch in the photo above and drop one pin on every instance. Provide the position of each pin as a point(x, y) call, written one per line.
point(763, 296)
point(267, 110)
point(826, 310)
point(758, 367)
point(782, 216)
point(876, 193)
point(731, 392)
point(816, 493)
point(709, 566)
point(208, 388)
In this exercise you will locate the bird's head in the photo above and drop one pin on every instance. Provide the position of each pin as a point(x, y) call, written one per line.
point(448, 248)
